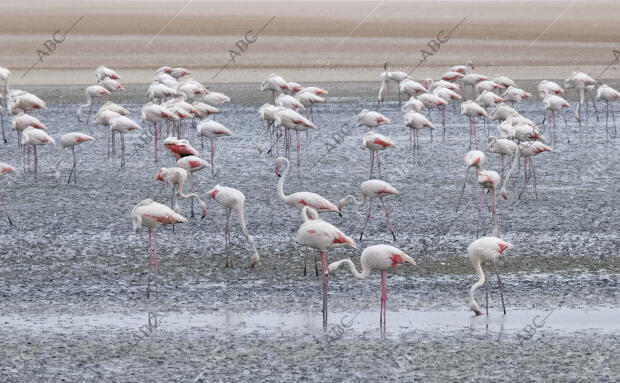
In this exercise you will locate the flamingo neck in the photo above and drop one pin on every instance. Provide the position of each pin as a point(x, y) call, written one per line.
point(365, 270)
point(472, 301)
point(281, 194)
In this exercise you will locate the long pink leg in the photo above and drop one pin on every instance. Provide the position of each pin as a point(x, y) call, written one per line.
point(372, 161)
point(148, 280)
point(191, 183)
point(487, 294)
point(387, 216)
point(325, 282)
point(501, 287)
point(123, 150)
point(212, 154)
point(443, 122)
point(383, 301)
point(35, 161)
point(227, 236)
point(458, 205)
point(479, 212)
point(534, 173)
point(298, 147)
point(367, 218)
point(156, 157)
point(379, 164)
point(155, 261)
point(495, 223)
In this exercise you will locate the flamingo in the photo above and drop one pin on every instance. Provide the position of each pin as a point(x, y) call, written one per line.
point(308, 98)
point(501, 112)
point(21, 121)
point(471, 78)
point(389, 75)
point(486, 249)
point(607, 94)
point(377, 257)
point(413, 104)
point(443, 84)
point(4, 169)
point(5, 74)
point(526, 149)
point(176, 177)
point(153, 215)
point(411, 88)
point(554, 103)
point(177, 73)
point(111, 84)
point(103, 118)
point(451, 76)
point(488, 99)
point(91, 93)
point(293, 86)
point(267, 113)
point(155, 113)
point(371, 119)
point(503, 147)
point(36, 137)
point(191, 88)
point(486, 85)
point(102, 72)
point(372, 189)
point(300, 199)
point(212, 129)
point(233, 199)
point(468, 67)
point(290, 119)
point(432, 101)
point(547, 87)
point(179, 148)
point(472, 110)
point(504, 82)
point(71, 140)
point(2, 122)
point(580, 81)
point(192, 164)
point(514, 94)
point(123, 125)
point(288, 101)
point(376, 142)
point(159, 92)
point(20, 101)
point(275, 84)
point(447, 95)
point(487, 179)
point(416, 122)
point(320, 235)
point(215, 98)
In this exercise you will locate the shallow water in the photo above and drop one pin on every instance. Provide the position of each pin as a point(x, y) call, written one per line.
point(73, 273)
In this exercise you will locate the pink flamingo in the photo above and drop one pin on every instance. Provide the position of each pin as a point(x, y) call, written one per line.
point(21, 121)
point(376, 142)
point(153, 215)
point(35, 137)
point(371, 119)
point(432, 101)
point(472, 110)
point(177, 73)
point(486, 249)
point(527, 149)
point(71, 140)
point(503, 147)
point(416, 122)
point(487, 179)
point(275, 84)
point(20, 101)
point(320, 235)
point(609, 95)
point(372, 189)
point(447, 95)
point(192, 164)
point(155, 113)
point(4, 169)
point(102, 72)
point(377, 257)
point(389, 75)
point(290, 119)
point(212, 129)
point(179, 148)
point(123, 125)
point(92, 92)
point(580, 81)
point(176, 177)
point(233, 199)
point(554, 103)
point(308, 98)
point(300, 199)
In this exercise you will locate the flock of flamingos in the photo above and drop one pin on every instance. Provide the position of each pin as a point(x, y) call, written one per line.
point(172, 114)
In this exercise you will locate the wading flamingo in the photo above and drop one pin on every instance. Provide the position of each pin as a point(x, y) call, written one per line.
point(176, 178)
point(212, 129)
point(416, 122)
point(35, 137)
point(92, 92)
point(275, 84)
point(320, 235)
point(371, 119)
point(371, 189)
point(486, 249)
point(377, 257)
point(71, 140)
point(192, 164)
point(233, 199)
point(472, 110)
point(4, 169)
point(609, 95)
point(152, 215)
point(376, 142)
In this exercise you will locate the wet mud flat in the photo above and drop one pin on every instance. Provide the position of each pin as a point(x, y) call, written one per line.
point(73, 273)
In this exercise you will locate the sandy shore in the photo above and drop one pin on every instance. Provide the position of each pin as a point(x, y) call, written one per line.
point(307, 41)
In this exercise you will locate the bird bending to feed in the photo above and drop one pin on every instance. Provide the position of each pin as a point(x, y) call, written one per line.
point(4, 169)
point(212, 129)
point(527, 150)
point(176, 177)
point(377, 257)
point(371, 119)
point(233, 199)
point(488, 180)
point(35, 137)
point(320, 235)
point(376, 142)
point(609, 95)
point(179, 148)
point(503, 147)
point(372, 189)
point(275, 84)
point(92, 92)
point(300, 200)
point(472, 110)
point(71, 140)
point(416, 122)
point(192, 164)
point(123, 125)
point(486, 249)
point(152, 215)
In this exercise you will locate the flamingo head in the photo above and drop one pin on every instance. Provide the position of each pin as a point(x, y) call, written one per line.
point(203, 206)
point(160, 177)
point(280, 165)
